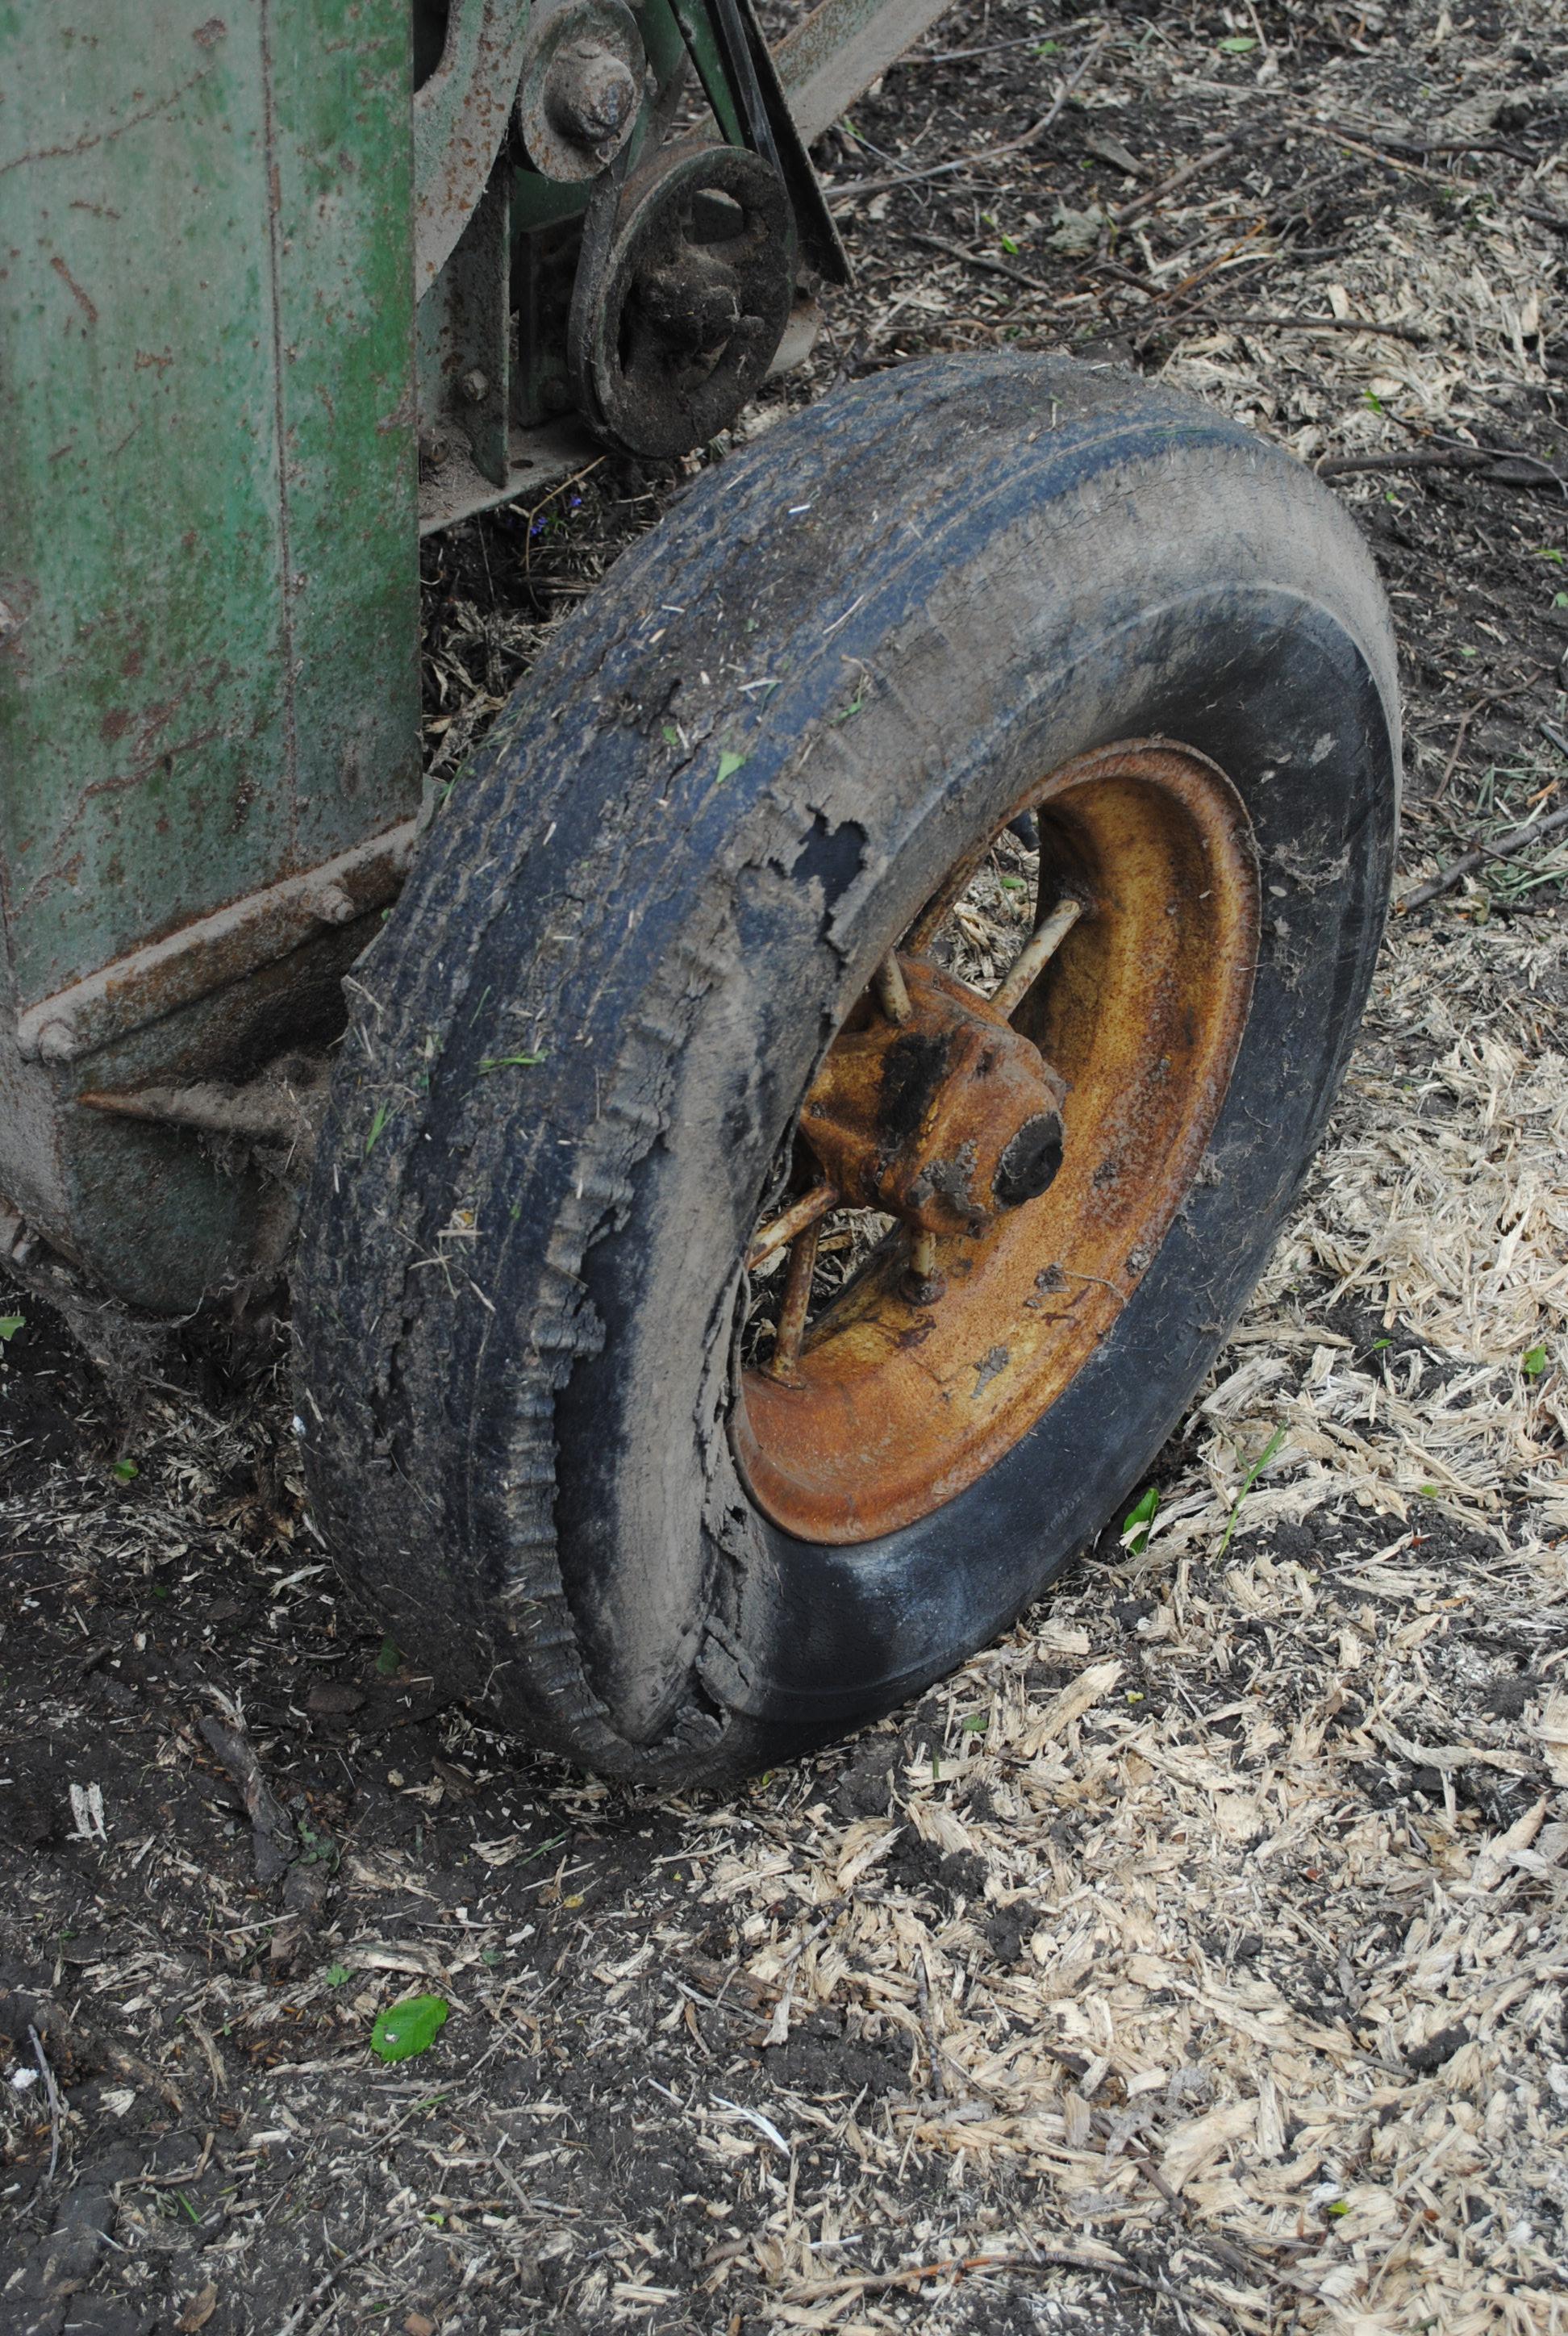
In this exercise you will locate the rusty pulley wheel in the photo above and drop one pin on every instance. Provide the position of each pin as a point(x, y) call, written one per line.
point(1025, 1150)
point(685, 289)
point(843, 1058)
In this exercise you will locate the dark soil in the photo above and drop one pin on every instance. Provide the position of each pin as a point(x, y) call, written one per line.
point(236, 1823)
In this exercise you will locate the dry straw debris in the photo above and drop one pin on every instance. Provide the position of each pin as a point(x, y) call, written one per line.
point(1195, 1959)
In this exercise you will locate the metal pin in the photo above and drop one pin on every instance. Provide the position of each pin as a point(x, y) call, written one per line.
point(893, 991)
point(1041, 945)
point(782, 1230)
point(922, 1284)
point(795, 1304)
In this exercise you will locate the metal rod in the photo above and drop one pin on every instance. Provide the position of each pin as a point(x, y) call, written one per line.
point(1040, 946)
point(892, 989)
point(795, 1304)
point(783, 1229)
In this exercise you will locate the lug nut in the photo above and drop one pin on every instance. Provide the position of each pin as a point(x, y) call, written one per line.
point(1029, 1166)
point(591, 95)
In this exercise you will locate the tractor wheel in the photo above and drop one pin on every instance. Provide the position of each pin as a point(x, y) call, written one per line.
point(838, 1067)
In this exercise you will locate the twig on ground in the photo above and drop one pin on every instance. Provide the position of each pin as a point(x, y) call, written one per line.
point(1503, 469)
point(1506, 848)
point(1460, 734)
point(1140, 205)
point(929, 2021)
point(841, 196)
point(1375, 153)
point(981, 261)
point(52, 2091)
point(817, 2291)
point(272, 1836)
point(1392, 143)
point(345, 2262)
point(1304, 324)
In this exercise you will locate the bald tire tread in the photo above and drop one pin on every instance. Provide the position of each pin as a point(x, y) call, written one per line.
point(578, 1046)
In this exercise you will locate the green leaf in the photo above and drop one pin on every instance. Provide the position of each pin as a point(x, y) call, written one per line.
point(509, 1062)
point(1009, 245)
point(409, 2028)
point(554, 1843)
point(388, 1660)
point(10, 1324)
point(976, 1724)
point(1339, 2207)
point(1254, 1473)
point(1238, 45)
point(125, 1470)
point(1534, 1363)
point(1550, 551)
point(1369, 397)
point(338, 1975)
point(1140, 1515)
point(1559, 600)
point(671, 734)
point(377, 1127)
point(729, 763)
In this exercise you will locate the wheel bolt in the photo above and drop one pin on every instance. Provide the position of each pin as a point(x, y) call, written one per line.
point(591, 95)
point(1029, 1166)
point(922, 1285)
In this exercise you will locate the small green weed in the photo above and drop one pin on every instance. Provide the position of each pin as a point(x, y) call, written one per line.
point(1138, 1520)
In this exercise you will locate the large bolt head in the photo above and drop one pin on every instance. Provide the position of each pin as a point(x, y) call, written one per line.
point(1029, 1166)
point(590, 96)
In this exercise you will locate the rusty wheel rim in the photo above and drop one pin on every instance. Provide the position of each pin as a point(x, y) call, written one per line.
point(1012, 1250)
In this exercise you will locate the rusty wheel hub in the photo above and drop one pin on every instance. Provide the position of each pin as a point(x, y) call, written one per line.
point(1031, 1148)
point(941, 1114)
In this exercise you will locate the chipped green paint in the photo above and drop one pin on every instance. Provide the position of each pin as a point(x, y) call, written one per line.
point(207, 673)
point(209, 611)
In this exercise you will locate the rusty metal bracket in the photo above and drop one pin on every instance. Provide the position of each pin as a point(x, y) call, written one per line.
point(215, 952)
point(459, 118)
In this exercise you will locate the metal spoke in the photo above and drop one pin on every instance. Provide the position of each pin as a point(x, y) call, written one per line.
point(1041, 945)
point(783, 1229)
point(923, 1285)
point(795, 1304)
point(892, 989)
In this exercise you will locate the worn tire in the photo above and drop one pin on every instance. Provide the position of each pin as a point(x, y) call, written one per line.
point(584, 1032)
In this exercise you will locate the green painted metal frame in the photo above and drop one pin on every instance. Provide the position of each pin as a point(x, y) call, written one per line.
point(209, 676)
point(208, 617)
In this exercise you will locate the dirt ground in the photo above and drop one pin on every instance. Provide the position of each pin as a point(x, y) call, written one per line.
point(1196, 1959)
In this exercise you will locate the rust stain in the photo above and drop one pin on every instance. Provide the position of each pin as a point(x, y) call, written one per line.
point(82, 302)
point(917, 1117)
point(89, 138)
point(215, 952)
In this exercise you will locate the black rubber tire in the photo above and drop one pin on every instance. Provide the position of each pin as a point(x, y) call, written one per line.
point(586, 1029)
